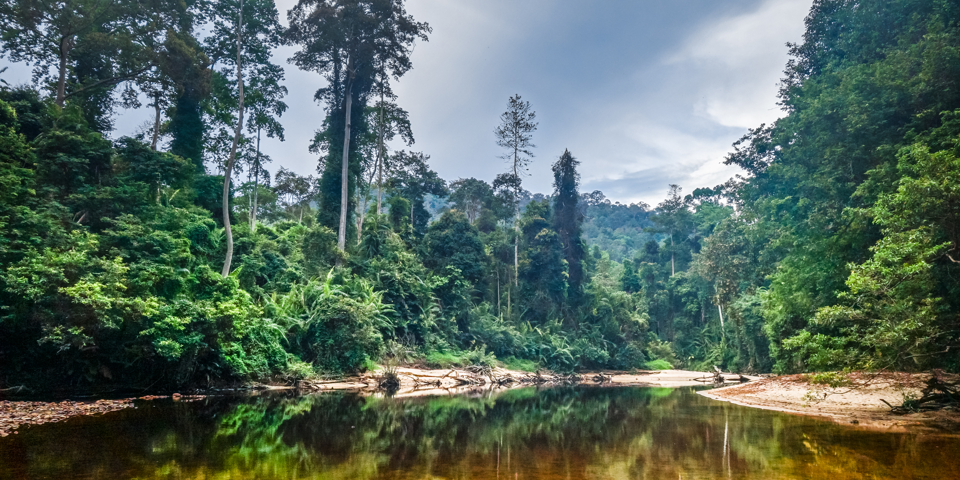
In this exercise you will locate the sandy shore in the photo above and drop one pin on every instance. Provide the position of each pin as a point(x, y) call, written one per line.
point(858, 403)
point(420, 382)
point(413, 382)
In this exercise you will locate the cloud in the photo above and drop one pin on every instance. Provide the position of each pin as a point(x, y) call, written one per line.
point(701, 95)
point(745, 56)
point(644, 93)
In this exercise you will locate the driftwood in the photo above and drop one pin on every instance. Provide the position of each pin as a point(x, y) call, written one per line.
point(720, 378)
point(601, 378)
point(17, 389)
point(936, 395)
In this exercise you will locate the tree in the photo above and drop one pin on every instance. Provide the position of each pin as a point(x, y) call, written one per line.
point(182, 69)
point(412, 179)
point(454, 249)
point(192, 75)
point(673, 217)
point(895, 314)
point(515, 134)
point(264, 102)
point(388, 121)
point(55, 35)
point(567, 219)
point(246, 42)
point(543, 269)
point(295, 190)
point(470, 196)
point(346, 40)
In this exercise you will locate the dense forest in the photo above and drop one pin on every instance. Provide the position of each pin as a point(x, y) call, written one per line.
point(176, 257)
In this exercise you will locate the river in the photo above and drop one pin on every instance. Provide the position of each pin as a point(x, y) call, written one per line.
point(557, 433)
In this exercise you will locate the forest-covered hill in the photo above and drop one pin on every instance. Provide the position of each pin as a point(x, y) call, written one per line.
point(131, 262)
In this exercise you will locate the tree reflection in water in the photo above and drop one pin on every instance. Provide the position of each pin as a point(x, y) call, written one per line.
point(579, 432)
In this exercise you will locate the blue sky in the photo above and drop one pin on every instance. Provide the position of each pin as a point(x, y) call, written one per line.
point(644, 93)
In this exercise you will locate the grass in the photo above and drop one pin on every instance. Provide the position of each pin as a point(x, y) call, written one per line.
point(445, 359)
point(829, 379)
point(370, 365)
point(519, 364)
point(451, 359)
point(658, 365)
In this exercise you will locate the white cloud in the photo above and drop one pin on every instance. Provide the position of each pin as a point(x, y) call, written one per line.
point(743, 56)
point(696, 100)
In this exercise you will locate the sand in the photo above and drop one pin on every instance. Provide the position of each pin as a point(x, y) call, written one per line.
point(858, 403)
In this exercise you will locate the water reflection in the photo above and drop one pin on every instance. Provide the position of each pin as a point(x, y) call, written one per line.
point(556, 433)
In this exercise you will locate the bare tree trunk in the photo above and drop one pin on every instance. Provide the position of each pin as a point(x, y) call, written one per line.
point(66, 44)
point(156, 121)
point(720, 309)
point(673, 270)
point(381, 159)
point(516, 223)
point(345, 170)
point(233, 153)
point(256, 187)
point(362, 207)
point(361, 216)
point(499, 313)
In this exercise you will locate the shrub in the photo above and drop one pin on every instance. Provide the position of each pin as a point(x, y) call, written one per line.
point(658, 365)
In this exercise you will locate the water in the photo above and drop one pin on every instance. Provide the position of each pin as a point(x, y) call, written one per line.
point(570, 433)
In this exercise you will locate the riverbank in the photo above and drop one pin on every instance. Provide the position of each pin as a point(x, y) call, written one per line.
point(857, 399)
point(412, 382)
point(422, 382)
point(13, 414)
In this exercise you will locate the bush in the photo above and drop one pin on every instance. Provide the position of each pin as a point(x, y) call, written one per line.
point(658, 365)
point(519, 364)
point(334, 324)
point(445, 360)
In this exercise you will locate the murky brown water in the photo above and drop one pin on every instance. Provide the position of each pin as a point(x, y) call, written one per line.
point(585, 432)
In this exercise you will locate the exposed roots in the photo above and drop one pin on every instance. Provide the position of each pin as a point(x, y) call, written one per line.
point(938, 394)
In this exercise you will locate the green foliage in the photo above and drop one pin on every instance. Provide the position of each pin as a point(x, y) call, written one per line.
point(455, 251)
point(334, 324)
point(838, 249)
point(567, 219)
point(521, 365)
point(895, 314)
point(658, 365)
point(543, 269)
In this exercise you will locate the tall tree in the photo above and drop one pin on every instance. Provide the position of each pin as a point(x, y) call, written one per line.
point(182, 67)
point(345, 40)
point(388, 121)
point(190, 67)
point(567, 219)
point(515, 134)
point(244, 33)
point(673, 218)
point(265, 104)
point(412, 179)
point(542, 268)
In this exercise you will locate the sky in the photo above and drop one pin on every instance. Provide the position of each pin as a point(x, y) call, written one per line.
point(645, 93)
